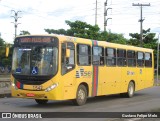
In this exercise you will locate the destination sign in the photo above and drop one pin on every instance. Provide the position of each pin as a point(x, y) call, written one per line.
point(35, 40)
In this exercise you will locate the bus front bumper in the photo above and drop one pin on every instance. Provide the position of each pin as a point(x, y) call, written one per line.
point(52, 95)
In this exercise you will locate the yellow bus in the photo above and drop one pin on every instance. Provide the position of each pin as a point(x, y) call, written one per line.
point(56, 67)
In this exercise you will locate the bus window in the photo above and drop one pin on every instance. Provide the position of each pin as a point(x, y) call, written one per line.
point(140, 59)
point(83, 54)
point(121, 57)
point(131, 58)
point(148, 60)
point(67, 64)
point(98, 55)
point(110, 57)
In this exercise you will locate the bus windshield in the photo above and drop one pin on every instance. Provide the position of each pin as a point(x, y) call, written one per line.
point(35, 60)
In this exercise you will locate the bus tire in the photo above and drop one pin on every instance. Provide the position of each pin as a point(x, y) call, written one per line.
point(130, 90)
point(41, 102)
point(81, 96)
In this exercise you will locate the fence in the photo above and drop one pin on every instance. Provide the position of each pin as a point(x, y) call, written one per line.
point(5, 86)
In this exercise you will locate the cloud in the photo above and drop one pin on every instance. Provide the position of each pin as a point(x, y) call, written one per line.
point(4, 16)
point(60, 12)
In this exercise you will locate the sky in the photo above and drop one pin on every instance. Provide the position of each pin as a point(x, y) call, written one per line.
point(37, 15)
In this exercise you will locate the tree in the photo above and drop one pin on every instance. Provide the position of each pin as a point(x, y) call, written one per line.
point(149, 41)
point(5, 60)
point(78, 29)
point(112, 37)
point(1, 42)
point(84, 30)
point(23, 32)
point(59, 31)
point(2, 48)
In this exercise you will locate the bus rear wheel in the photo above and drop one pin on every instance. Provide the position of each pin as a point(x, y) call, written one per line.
point(41, 102)
point(130, 91)
point(81, 96)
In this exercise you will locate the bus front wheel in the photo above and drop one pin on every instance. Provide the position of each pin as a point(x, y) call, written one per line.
point(41, 102)
point(81, 96)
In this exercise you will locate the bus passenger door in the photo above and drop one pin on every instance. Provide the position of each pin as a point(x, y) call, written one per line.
point(67, 69)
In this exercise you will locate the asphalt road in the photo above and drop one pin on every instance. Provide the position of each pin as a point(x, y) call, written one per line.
point(145, 100)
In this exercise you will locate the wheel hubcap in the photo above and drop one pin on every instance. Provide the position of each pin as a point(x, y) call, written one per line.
point(131, 90)
point(81, 95)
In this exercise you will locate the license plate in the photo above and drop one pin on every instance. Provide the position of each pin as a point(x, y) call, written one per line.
point(30, 95)
point(37, 87)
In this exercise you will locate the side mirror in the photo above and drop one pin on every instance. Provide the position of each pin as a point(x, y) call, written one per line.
point(68, 53)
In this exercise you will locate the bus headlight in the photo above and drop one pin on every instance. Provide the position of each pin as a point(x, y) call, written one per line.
point(51, 87)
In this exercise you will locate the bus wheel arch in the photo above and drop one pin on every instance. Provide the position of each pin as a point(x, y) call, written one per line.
point(81, 94)
point(87, 87)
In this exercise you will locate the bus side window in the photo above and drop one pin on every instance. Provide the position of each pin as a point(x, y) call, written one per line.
point(67, 64)
point(131, 58)
point(121, 57)
point(98, 55)
point(148, 60)
point(140, 59)
point(83, 54)
point(110, 56)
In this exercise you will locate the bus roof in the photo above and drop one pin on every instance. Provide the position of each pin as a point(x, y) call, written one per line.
point(89, 41)
point(106, 44)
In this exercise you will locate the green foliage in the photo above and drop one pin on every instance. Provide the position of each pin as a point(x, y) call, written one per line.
point(78, 29)
point(84, 30)
point(6, 60)
point(2, 48)
point(53, 31)
point(149, 41)
point(112, 37)
point(3, 59)
point(23, 32)
point(1, 42)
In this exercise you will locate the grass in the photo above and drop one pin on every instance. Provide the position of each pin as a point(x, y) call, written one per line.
point(155, 78)
point(156, 110)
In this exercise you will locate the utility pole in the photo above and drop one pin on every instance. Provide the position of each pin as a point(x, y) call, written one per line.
point(96, 14)
point(105, 14)
point(141, 21)
point(16, 17)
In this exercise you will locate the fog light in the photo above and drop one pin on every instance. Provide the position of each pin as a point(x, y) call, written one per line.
point(13, 84)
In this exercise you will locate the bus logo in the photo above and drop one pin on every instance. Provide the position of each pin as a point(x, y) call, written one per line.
point(82, 73)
